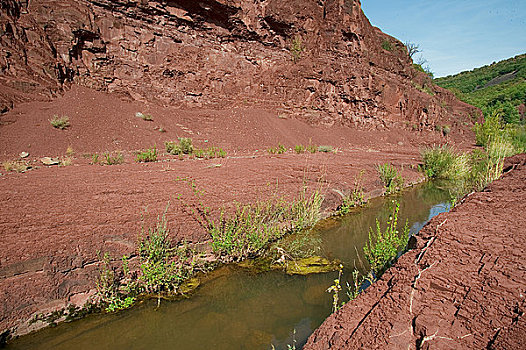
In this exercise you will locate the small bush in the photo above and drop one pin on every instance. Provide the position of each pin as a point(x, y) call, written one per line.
point(299, 149)
point(69, 151)
point(280, 149)
point(16, 166)
point(446, 130)
point(392, 181)
point(312, 148)
point(66, 161)
point(442, 162)
point(491, 128)
point(325, 149)
point(113, 159)
point(251, 227)
point(60, 122)
point(209, 153)
point(149, 155)
point(386, 45)
point(383, 247)
point(296, 48)
point(183, 146)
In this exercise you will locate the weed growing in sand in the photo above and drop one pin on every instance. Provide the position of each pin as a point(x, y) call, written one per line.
point(163, 270)
point(146, 117)
point(69, 151)
point(356, 288)
point(108, 287)
point(60, 122)
point(280, 149)
point(299, 149)
point(296, 48)
point(335, 290)
point(182, 146)
point(442, 162)
point(149, 155)
point(469, 171)
point(209, 153)
point(383, 246)
point(325, 149)
point(94, 158)
point(386, 45)
point(247, 229)
point(65, 161)
point(393, 182)
point(16, 166)
point(312, 148)
point(251, 227)
point(446, 130)
point(163, 267)
point(113, 159)
point(356, 198)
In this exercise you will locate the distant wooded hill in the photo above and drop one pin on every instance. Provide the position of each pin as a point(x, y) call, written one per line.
point(498, 87)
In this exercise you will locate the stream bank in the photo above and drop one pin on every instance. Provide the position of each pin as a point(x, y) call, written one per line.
point(463, 287)
point(241, 308)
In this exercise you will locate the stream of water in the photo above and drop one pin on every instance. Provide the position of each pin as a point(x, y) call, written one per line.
point(240, 309)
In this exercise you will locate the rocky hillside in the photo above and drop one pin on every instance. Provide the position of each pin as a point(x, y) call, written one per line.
point(319, 60)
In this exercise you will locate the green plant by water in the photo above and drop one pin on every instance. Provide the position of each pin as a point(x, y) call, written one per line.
point(392, 181)
point(384, 245)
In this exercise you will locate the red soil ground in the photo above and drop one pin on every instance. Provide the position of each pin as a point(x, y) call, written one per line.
point(463, 287)
point(53, 220)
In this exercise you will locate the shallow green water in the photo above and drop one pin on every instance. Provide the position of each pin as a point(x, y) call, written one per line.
point(239, 309)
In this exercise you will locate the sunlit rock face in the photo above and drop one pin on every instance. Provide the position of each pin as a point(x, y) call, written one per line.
point(320, 60)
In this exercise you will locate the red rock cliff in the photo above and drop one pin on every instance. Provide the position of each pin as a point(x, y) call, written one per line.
point(219, 53)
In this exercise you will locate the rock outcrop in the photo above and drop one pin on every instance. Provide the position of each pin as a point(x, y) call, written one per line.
point(461, 288)
point(320, 60)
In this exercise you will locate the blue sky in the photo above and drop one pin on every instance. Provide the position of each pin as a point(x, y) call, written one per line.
point(454, 36)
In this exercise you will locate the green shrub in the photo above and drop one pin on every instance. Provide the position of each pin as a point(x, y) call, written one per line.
point(296, 48)
point(386, 45)
point(252, 227)
point(489, 129)
point(325, 149)
point(383, 247)
point(312, 148)
point(60, 122)
point(209, 153)
point(16, 166)
point(149, 155)
point(183, 146)
point(392, 181)
point(280, 149)
point(299, 149)
point(112, 159)
point(442, 162)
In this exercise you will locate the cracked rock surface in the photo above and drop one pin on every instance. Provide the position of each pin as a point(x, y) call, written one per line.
point(463, 287)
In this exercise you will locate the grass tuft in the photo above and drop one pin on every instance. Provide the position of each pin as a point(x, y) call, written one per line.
point(16, 166)
point(60, 122)
point(393, 182)
point(182, 146)
point(383, 246)
point(149, 155)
